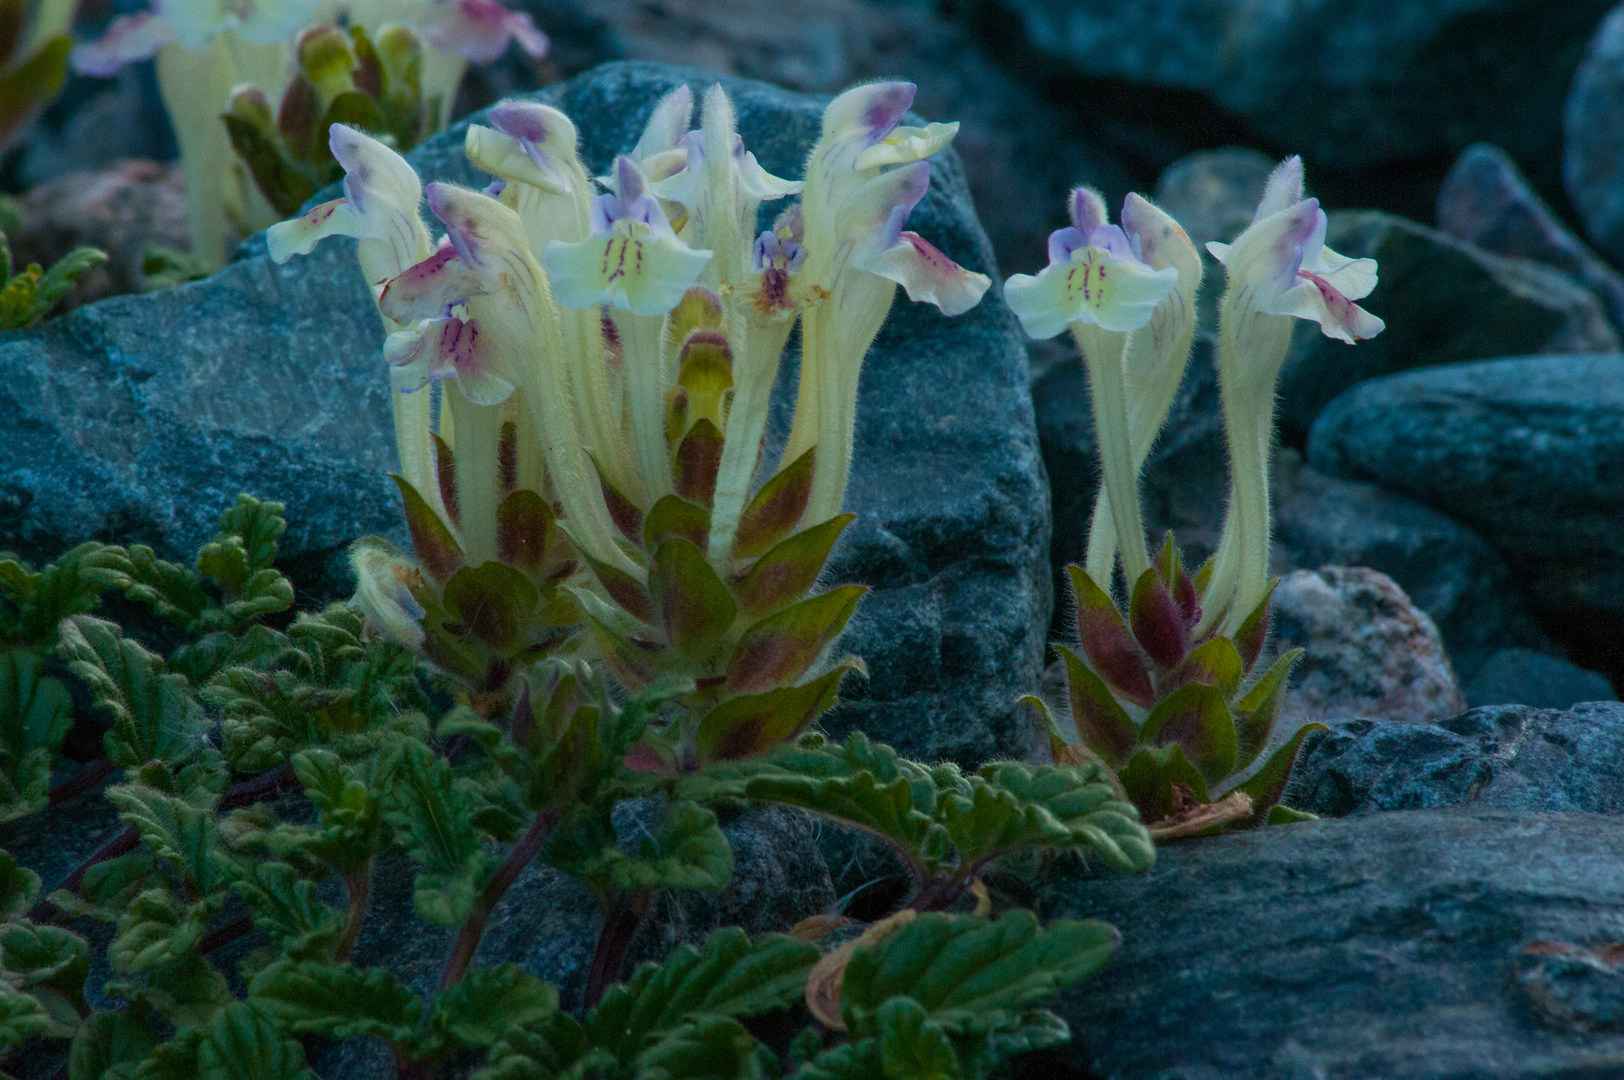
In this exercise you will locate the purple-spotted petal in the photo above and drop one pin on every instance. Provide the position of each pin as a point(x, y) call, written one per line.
point(449, 347)
point(868, 112)
point(927, 274)
point(299, 236)
point(429, 287)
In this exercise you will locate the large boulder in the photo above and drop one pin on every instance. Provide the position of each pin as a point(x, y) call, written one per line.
point(1386, 945)
point(1346, 82)
point(1527, 452)
point(1444, 301)
point(139, 418)
point(1593, 143)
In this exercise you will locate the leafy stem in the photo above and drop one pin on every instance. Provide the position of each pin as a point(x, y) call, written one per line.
point(473, 927)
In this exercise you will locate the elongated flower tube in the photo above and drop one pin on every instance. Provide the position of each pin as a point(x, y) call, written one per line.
point(1279, 270)
point(1098, 285)
point(864, 177)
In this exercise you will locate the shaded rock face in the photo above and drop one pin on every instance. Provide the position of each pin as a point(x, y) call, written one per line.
point(1527, 452)
point(1593, 138)
point(138, 419)
point(1214, 194)
point(1367, 651)
point(1346, 82)
point(1377, 946)
point(1443, 301)
point(1486, 201)
point(1526, 677)
point(1507, 757)
point(1448, 571)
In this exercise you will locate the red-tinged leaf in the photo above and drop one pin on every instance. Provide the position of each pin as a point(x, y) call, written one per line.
point(1187, 598)
point(1215, 663)
point(623, 589)
point(494, 602)
point(747, 726)
point(1102, 724)
point(644, 758)
point(1196, 718)
point(1255, 712)
point(699, 456)
point(1254, 632)
point(436, 548)
point(566, 697)
point(636, 663)
point(367, 74)
point(1106, 642)
point(1269, 783)
point(522, 729)
point(778, 649)
point(622, 511)
point(1167, 559)
point(776, 509)
point(1149, 780)
point(445, 473)
point(694, 606)
point(507, 456)
point(1158, 625)
point(672, 516)
point(296, 119)
point(1203, 576)
point(524, 529)
point(785, 573)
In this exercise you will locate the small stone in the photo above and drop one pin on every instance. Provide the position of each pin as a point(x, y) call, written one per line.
point(1527, 452)
point(123, 210)
point(1368, 651)
point(1593, 138)
point(1444, 301)
point(1508, 757)
point(1525, 677)
point(1486, 201)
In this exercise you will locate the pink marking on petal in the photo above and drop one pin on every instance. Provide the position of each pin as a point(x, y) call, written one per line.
point(932, 254)
point(128, 38)
point(479, 30)
point(518, 119)
point(886, 106)
point(1345, 312)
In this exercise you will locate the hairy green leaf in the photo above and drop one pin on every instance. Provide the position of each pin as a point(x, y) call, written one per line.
point(337, 1000)
point(708, 1048)
point(35, 712)
point(433, 813)
point(687, 851)
point(19, 887)
point(155, 716)
point(488, 1001)
point(176, 830)
point(1012, 806)
point(110, 1046)
point(243, 1044)
point(21, 1016)
point(911, 1045)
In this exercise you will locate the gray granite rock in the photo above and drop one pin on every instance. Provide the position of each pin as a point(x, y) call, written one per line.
point(1378, 946)
point(1447, 570)
point(1593, 138)
point(1367, 651)
point(1526, 677)
point(1486, 201)
point(1444, 301)
point(1504, 757)
point(1529, 453)
point(1350, 82)
point(139, 418)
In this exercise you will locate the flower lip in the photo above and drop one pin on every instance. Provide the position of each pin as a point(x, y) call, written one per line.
point(886, 108)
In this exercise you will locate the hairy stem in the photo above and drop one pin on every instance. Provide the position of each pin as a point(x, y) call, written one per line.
point(473, 927)
point(620, 923)
point(359, 884)
point(85, 779)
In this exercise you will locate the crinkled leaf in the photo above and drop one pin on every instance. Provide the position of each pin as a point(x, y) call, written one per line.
point(32, 604)
point(287, 907)
point(779, 649)
point(1102, 724)
point(158, 930)
point(21, 1016)
point(687, 851)
point(176, 830)
point(969, 973)
point(243, 1044)
point(692, 604)
point(708, 1048)
point(1013, 806)
point(173, 592)
point(1195, 717)
point(337, 1000)
point(19, 887)
point(35, 712)
point(776, 508)
point(1110, 648)
point(110, 1046)
point(785, 573)
point(488, 1001)
point(556, 1047)
point(911, 1046)
point(730, 976)
point(433, 814)
point(861, 1060)
point(155, 716)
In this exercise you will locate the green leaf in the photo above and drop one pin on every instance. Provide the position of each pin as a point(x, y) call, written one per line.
point(693, 606)
point(911, 1046)
point(698, 459)
point(176, 830)
point(110, 1046)
point(35, 712)
point(284, 185)
point(779, 649)
point(1255, 713)
point(437, 549)
point(971, 974)
point(65, 273)
point(1215, 663)
point(674, 517)
point(158, 931)
point(524, 529)
point(1150, 775)
point(32, 604)
point(745, 726)
point(776, 508)
point(785, 573)
point(489, 1001)
point(21, 1016)
point(340, 1001)
point(860, 1060)
point(708, 1048)
point(687, 851)
point(730, 976)
point(45, 957)
point(155, 716)
point(1195, 718)
point(1102, 724)
point(1269, 783)
point(555, 1048)
point(433, 814)
point(108, 887)
point(243, 1044)
point(1285, 815)
point(1110, 648)
point(173, 592)
point(1013, 806)
point(287, 907)
point(494, 602)
point(19, 887)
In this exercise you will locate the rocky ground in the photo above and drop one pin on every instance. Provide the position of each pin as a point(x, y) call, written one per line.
point(1448, 495)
